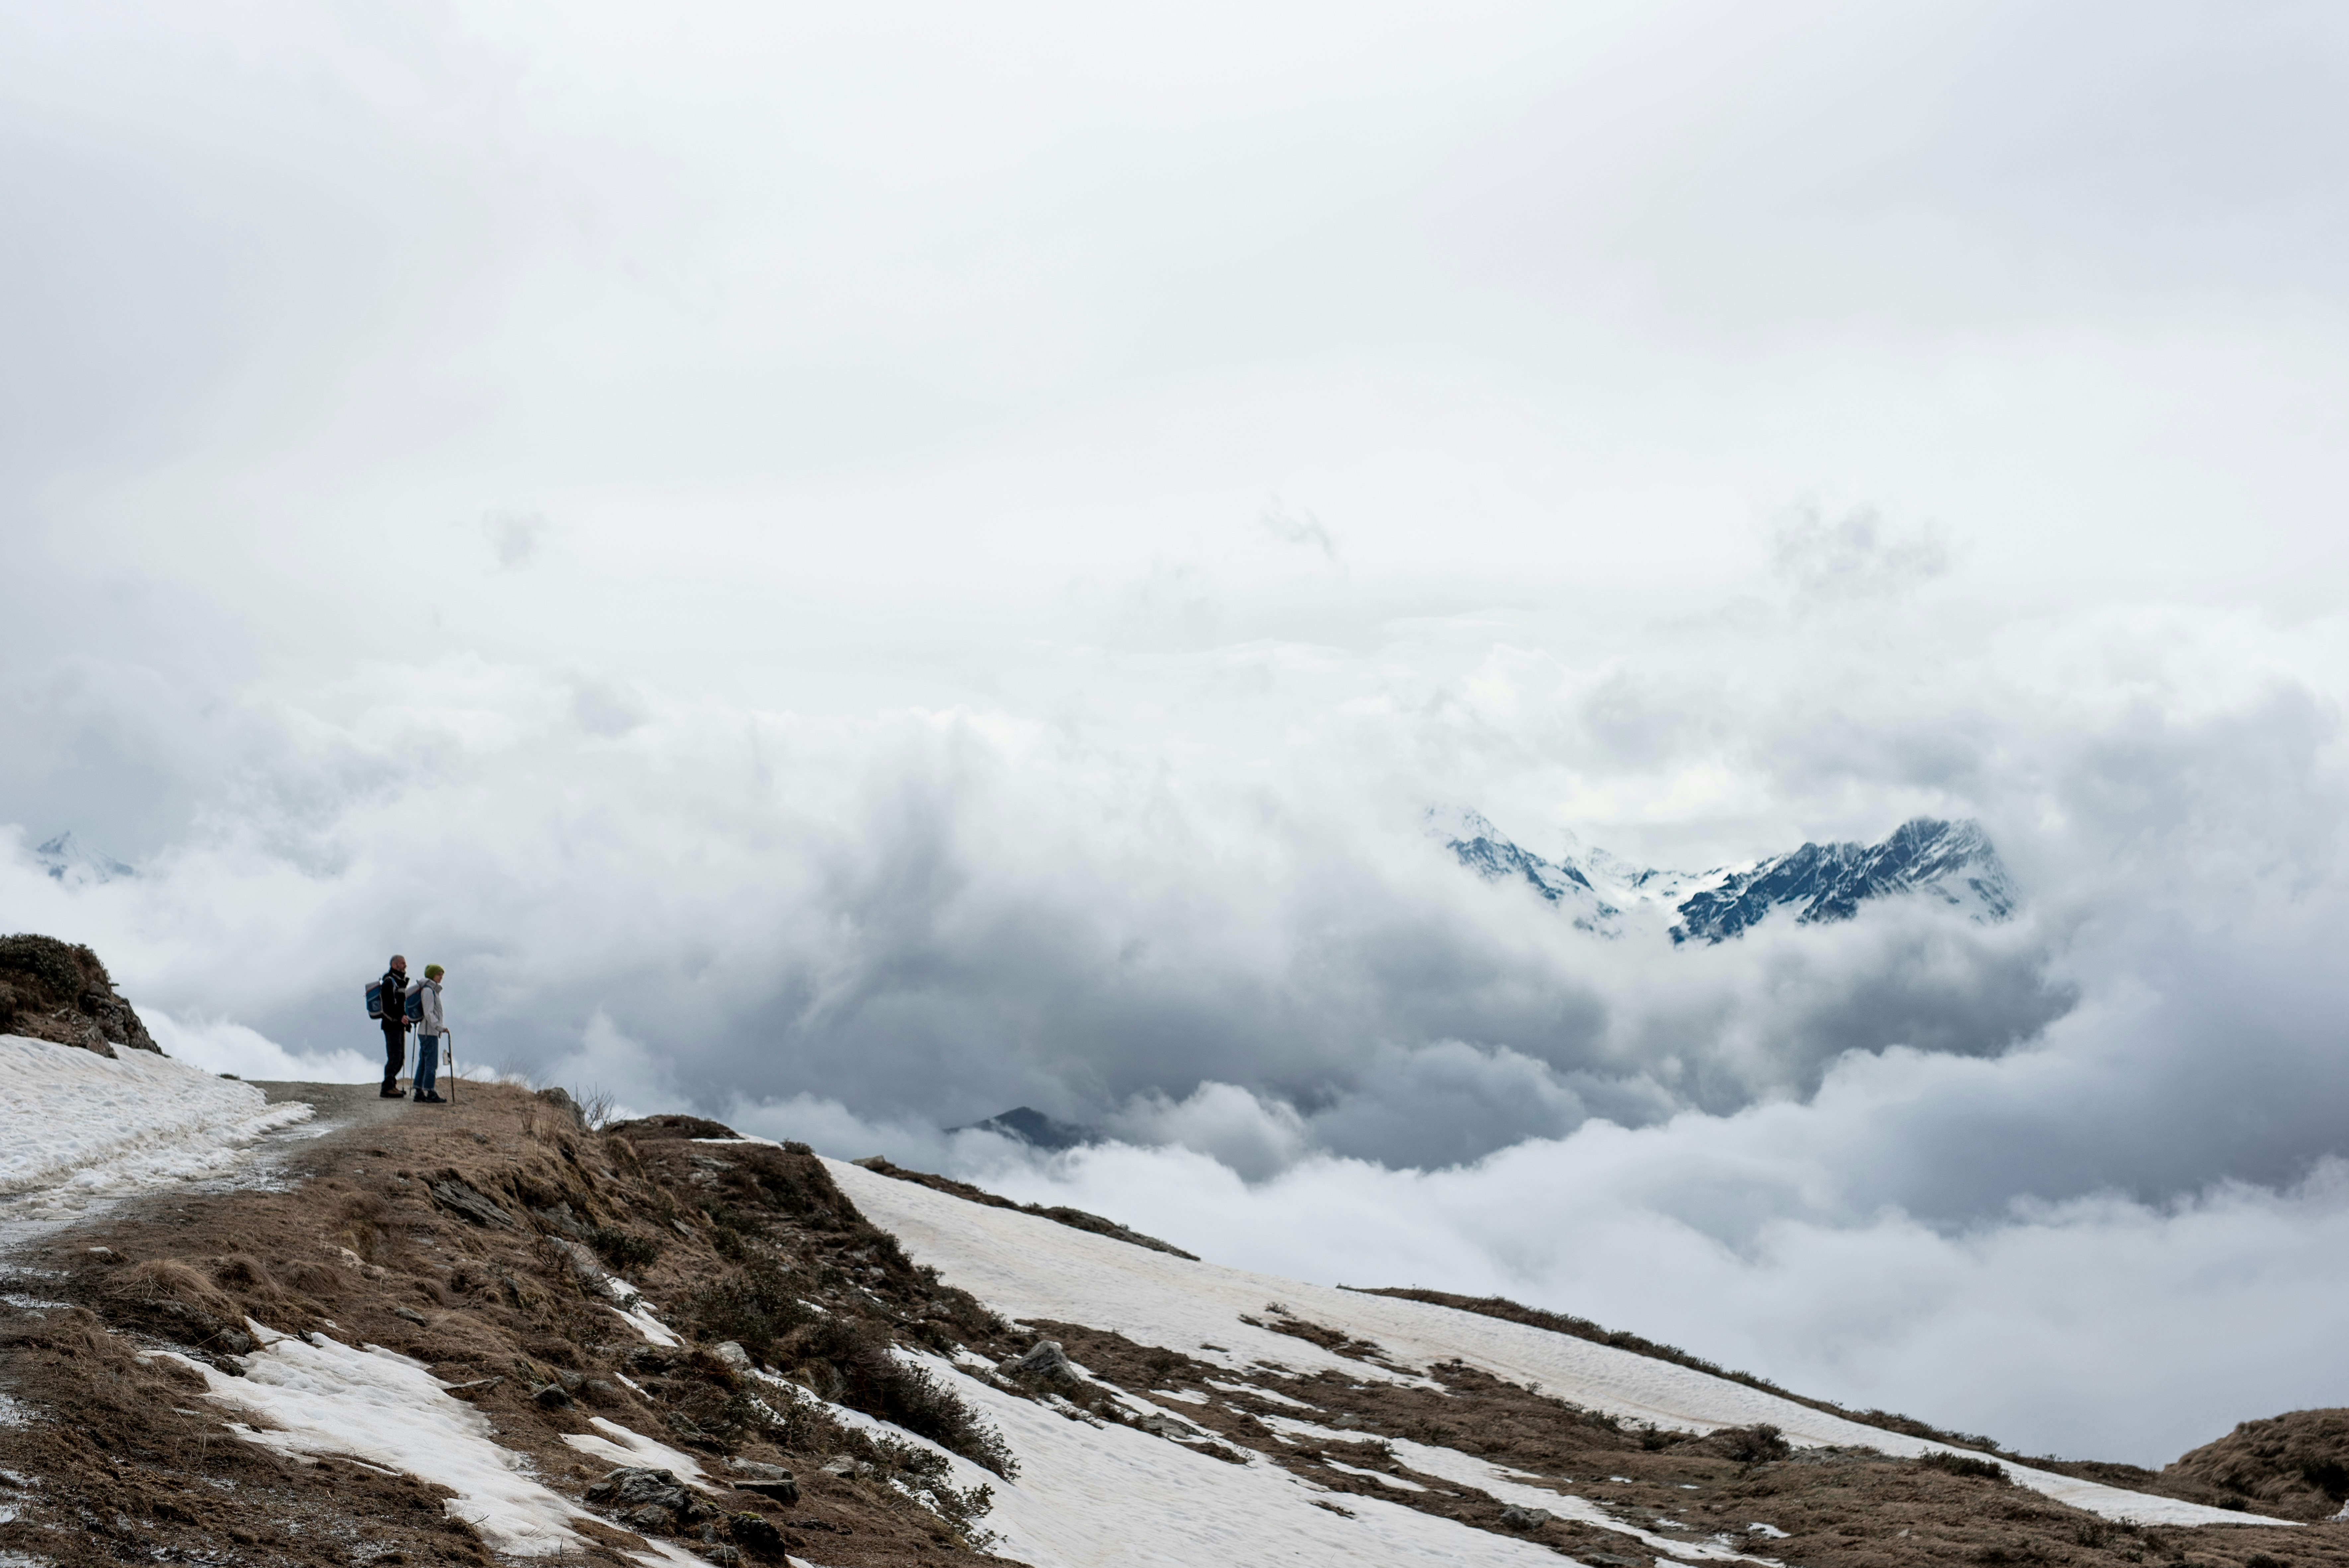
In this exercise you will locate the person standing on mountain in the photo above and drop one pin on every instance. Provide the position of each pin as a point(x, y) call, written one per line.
point(428, 1029)
point(395, 1026)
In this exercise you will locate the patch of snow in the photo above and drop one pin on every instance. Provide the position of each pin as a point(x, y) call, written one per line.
point(77, 1127)
point(623, 1446)
point(632, 1308)
point(1187, 1396)
point(646, 1325)
point(381, 1408)
point(1094, 1496)
point(1027, 1267)
point(1767, 1532)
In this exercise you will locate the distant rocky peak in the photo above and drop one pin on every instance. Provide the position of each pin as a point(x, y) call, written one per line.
point(1027, 1124)
point(1954, 863)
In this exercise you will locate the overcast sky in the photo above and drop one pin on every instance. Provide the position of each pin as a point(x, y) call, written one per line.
point(852, 567)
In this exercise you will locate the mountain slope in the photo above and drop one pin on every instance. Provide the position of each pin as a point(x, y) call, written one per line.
point(1029, 1270)
point(485, 1331)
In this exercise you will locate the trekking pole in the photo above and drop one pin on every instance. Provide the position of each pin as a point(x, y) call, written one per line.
point(449, 1045)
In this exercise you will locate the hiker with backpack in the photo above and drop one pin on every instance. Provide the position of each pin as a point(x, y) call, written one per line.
point(393, 1001)
point(429, 1026)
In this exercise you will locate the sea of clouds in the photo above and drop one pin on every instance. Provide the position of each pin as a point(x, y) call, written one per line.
point(2069, 1179)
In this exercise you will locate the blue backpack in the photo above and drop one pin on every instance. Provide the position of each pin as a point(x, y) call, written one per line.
point(415, 1008)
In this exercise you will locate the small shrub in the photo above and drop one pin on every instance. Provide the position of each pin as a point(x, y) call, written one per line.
point(624, 1250)
point(1749, 1445)
point(869, 1376)
point(1967, 1465)
point(754, 1307)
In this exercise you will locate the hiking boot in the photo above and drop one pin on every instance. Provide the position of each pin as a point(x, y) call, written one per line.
point(430, 1096)
point(388, 1092)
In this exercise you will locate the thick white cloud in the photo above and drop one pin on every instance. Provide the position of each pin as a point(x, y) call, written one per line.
point(853, 570)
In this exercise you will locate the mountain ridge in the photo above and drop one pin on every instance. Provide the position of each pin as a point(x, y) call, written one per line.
point(1950, 861)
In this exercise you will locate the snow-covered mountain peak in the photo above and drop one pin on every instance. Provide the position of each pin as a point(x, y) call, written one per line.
point(1953, 863)
point(73, 863)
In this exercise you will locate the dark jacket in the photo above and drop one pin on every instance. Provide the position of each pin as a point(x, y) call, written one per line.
point(395, 999)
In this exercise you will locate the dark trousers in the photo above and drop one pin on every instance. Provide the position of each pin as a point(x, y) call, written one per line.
point(394, 1052)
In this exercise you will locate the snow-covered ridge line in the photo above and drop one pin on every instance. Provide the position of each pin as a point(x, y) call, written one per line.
point(1026, 1268)
point(72, 1118)
point(1950, 863)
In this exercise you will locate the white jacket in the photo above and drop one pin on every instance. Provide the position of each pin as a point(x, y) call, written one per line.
point(432, 1023)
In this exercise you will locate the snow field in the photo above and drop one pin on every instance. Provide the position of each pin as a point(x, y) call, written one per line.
point(75, 1125)
point(1092, 1495)
point(1027, 1267)
point(322, 1396)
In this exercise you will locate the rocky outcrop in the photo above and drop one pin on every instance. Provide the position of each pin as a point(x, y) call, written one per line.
point(52, 990)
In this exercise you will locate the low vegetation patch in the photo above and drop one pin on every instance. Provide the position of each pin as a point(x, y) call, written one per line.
point(1965, 1465)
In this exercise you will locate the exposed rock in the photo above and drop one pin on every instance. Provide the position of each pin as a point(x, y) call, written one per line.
point(737, 1360)
point(1165, 1426)
point(561, 1218)
point(1515, 1518)
point(768, 1480)
point(755, 1536)
point(456, 1197)
point(647, 1499)
point(552, 1397)
point(52, 990)
point(758, 1536)
point(410, 1313)
point(1045, 1360)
